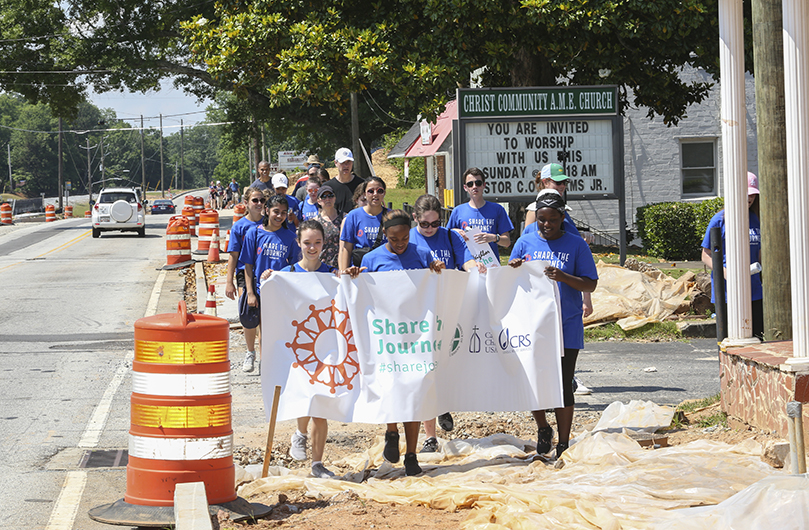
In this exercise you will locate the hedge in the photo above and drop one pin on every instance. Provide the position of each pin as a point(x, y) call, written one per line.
point(674, 230)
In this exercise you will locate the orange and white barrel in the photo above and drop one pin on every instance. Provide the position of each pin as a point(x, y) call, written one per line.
point(180, 413)
point(208, 222)
point(50, 213)
point(5, 214)
point(188, 213)
point(199, 205)
point(88, 214)
point(68, 211)
point(178, 241)
point(238, 212)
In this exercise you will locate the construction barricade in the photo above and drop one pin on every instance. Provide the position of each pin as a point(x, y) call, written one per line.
point(199, 205)
point(68, 211)
point(178, 243)
point(208, 222)
point(5, 214)
point(189, 213)
point(88, 214)
point(180, 421)
point(50, 213)
point(239, 211)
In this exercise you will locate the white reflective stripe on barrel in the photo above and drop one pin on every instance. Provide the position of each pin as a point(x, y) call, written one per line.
point(178, 236)
point(181, 384)
point(181, 448)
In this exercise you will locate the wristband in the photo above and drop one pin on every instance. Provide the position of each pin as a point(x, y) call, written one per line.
point(497, 238)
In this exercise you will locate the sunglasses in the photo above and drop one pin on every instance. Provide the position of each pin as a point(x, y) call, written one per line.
point(262, 201)
point(474, 183)
point(327, 196)
point(377, 191)
point(434, 224)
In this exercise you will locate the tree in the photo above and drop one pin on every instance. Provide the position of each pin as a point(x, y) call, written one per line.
point(308, 53)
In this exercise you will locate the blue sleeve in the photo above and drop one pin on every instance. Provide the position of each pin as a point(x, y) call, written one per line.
point(715, 221)
point(503, 222)
point(235, 241)
point(460, 253)
point(294, 252)
point(248, 252)
point(453, 219)
point(425, 257)
point(585, 265)
point(570, 227)
point(517, 250)
point(349, 229)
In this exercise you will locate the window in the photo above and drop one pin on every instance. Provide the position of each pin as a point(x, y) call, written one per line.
point(698, 168)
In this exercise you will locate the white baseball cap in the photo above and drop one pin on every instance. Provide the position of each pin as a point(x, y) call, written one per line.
point(343, 154)
point(279, 180)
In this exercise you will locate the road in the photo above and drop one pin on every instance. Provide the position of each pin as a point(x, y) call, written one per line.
point(66, 327)
point(66, 323)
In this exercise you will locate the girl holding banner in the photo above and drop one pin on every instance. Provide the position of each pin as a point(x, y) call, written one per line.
point(571, 265)
point(395, 255)
point(310, 239)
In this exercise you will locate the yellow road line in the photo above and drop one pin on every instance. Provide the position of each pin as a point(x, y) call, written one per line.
point(53, 250)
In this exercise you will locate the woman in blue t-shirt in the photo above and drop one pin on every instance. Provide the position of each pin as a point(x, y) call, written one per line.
point(573, 268)
point(310, 239)
point(362, 225)
point(396, 255)
point(254, 199)
point(309, 206)
point(270, 245)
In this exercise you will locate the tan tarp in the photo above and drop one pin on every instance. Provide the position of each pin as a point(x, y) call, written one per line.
point(633, 299)
point(608, 482)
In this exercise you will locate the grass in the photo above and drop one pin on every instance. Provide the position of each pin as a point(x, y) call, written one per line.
point(397, 196)
point(717, 418)
point(655, 332)
point(695, 404)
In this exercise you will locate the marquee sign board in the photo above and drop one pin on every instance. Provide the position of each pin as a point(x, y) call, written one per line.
point(511, 133)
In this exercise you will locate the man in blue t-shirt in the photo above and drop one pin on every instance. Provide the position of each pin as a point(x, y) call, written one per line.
point(489, 217)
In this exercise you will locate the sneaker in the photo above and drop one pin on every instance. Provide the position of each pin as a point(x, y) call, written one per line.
point(579, 389)
point(391, 451)
point(560, 448)
point(249, 360)
point(320, 471)
point(411, 463)
point(445, 421)
point(544, 439)
point(430, 445)
point(297, 448)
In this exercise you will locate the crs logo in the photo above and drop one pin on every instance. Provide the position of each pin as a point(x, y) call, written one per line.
point(360, 233)
point(512, 342)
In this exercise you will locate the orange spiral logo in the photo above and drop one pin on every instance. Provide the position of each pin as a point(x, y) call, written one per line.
point(324, 348)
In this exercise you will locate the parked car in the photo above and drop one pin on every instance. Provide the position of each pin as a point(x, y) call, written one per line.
point(163, 206)
point(118, 209)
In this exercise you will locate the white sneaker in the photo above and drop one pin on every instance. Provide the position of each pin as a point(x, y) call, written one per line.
point(249, 360)
point(320, 471)
point(581, 390)
point(297, 448)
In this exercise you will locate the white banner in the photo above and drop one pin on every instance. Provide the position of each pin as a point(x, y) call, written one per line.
point(410, 345)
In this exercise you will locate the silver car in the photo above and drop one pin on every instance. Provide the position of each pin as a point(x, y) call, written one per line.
point(118, 209)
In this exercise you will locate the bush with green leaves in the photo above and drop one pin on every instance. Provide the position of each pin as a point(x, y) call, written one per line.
point(674, 230)
point(416, 174)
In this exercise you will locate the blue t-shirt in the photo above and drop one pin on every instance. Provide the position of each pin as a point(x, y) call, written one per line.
point(445, 245)
point(269, 250)
point(299, 268)
point(572, 255)
point(237, 233)
point(360, 228)
point(308, 211)
point(234, 187)
point(567, 226)
point(756, 291)
point(490, 218)
point(294, 206)
point(382, 259)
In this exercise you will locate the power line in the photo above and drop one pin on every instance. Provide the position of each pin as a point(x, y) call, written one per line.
point(150, 128)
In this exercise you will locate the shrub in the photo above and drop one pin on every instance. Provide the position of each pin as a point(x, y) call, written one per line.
point(706, 210)
point(674, 230)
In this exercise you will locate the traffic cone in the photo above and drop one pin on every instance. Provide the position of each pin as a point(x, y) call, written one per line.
point(213, 250)
point(210, 302)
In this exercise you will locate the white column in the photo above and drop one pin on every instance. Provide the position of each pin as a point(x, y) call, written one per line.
point(796, 85)
point(734, 165)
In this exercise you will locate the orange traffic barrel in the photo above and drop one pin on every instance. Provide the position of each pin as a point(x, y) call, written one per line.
point(238, 212)
point(180, 414)
point(68, 211)
point(178, 241)
point(188, 213)
point(88, 214)
point(188, 201)
point(208, 222)
point(50, 213)
point(199, 205)
point(5, 213)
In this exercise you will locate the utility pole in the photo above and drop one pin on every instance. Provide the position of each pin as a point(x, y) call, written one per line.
point(61, 191)
point(103, 169)
point(89, 172)
point(162, 191)
point(182, 156)
point(768, 53)
point(359, 160)
point(142, 161)
point(10, 180)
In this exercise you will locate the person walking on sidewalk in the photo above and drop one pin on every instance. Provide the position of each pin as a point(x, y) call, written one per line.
point(573, 268)
point(254, 202)
point(310, 240)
